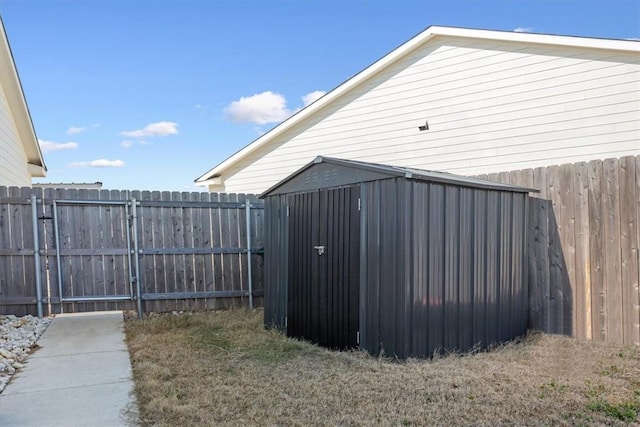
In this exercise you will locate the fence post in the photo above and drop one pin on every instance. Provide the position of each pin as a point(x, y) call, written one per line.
point(36, 253)
point(247, 205)
point(56, 232)
point(134, 219)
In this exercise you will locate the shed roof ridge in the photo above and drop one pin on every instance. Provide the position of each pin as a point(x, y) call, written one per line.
point(407, 173)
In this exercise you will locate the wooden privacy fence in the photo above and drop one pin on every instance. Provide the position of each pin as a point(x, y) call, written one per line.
point(583, 243)
point(192, 250)
point(93, 250)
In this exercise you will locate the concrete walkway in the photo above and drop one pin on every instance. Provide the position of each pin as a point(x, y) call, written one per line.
point(81, 376)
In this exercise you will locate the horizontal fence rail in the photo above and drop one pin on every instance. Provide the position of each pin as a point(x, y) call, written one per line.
point(92, 250)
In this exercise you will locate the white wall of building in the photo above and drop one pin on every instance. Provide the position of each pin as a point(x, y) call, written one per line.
point(14, 170)
point(491, 106)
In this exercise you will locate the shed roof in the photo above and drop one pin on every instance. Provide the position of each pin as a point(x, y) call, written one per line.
point(344, 172)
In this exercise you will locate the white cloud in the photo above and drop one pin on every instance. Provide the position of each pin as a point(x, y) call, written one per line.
point(99, 163)
point(262, 108)
point(523, 29)
point(128, 143)
point(266, 107)
point(74, 130)
point(47, 146)
point(153, 129)
point(312, 97)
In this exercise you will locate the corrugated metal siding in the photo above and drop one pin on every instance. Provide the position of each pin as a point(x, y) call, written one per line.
point(385, 279)
point(373, 265)
point(302, 299)
point(323, 289)
point(276, 261)
point(460, 284)
point(343, 231)
point(432, 266)
point(466, 267)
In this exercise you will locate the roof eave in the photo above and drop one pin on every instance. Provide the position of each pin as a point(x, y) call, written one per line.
point(37, 171)
point(13, 90)
point(216, 180)
point(632, 46)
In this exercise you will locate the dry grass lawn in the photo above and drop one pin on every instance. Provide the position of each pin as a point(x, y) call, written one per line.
point(223, 368)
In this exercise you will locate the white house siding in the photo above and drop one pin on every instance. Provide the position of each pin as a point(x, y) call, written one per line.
point(491, 106)
point(14, 169)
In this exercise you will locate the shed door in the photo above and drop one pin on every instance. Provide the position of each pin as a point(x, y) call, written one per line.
point(324, 244)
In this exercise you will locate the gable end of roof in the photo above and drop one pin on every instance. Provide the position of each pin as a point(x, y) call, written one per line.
point(414, 43)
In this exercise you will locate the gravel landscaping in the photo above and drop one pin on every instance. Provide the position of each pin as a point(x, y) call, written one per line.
point(18, 336)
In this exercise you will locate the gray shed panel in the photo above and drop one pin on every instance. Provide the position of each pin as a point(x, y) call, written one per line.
point(442, 265)
point(276, 249)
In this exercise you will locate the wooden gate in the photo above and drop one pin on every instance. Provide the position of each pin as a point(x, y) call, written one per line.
point(94, 256)
point(90, 250)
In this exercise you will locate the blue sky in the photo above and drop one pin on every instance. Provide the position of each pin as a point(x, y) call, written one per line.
point(149, 95)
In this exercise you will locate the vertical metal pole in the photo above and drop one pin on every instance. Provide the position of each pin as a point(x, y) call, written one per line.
point(36, 253)
point(247, 205)
point(56, 231)
point(134, 218)
point(130, 264)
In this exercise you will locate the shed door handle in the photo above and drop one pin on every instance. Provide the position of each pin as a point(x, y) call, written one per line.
point(320, 249)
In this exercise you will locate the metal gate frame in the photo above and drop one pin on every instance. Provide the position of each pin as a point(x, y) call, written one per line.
point(133, 258)
point(134, 278)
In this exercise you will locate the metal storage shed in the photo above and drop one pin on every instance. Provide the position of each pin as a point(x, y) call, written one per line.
point(395, 261)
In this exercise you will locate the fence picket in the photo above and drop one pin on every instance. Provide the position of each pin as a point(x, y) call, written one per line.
point(629, 251)
point(196, 265)
point(582, 298)
point(583, 245)
point(596, 251)
point(226, 281)
point(207, 242)
point(613, 279)
point(218, 259)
